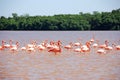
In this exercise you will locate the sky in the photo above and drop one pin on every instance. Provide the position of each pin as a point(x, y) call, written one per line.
point(54, 7)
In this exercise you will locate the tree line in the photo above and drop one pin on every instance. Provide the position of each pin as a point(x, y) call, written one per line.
point(82, 21)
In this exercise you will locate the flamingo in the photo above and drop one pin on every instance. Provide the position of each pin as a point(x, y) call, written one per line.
point(102, 46)
point(68, 46)
point(107, 46)
point(44, 43)
point(49, 46)
point(95, 45)
point(57, 48)
point(117, 47)
point(23, 48)
point(7, 45)
point(77, 50)
point(86, 47)
point(41, 47)
point(30, 45)
point(10, 44)
point(101, 51)
point(31, 49)
point(2, 46)
point(77, 44)
point(92, 40)
point(14, 47)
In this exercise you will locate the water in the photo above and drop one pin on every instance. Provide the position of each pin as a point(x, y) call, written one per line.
point(65, 66)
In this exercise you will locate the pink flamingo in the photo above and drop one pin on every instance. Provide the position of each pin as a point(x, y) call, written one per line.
point(107, 46)
point(103, 45)
point(2, 46)
point(57, 48)
point(14, 48)
point(50, 45)
point(117, 47)
point(86, 47)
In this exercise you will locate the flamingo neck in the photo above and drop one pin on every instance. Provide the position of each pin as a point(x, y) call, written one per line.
point(106, 43)
point(10, 42)
point(17, 44)
point(88, 45)
point(3, 43)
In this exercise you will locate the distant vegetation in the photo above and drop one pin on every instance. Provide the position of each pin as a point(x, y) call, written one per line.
point(81, 21)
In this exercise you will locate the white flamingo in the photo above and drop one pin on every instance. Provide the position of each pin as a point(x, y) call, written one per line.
point(95, 45)
point(41, 47)
point(23, 48)
point(77, 50)
point(69, 46)
point(77, 44)
point(31, 49)
point(101, 51)
point(13, 48)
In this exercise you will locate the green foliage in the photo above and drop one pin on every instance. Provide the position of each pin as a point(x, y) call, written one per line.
point(81, 21)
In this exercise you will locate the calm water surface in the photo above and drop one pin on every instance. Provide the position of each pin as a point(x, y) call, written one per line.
point(65, 66)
